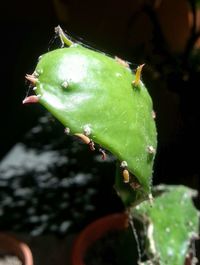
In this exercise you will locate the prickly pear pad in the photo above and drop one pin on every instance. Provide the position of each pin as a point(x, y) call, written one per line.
point(82, 87)
point(172, 222)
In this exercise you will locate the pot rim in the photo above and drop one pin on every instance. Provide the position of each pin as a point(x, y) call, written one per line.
point(11, 245)
point(93, 232)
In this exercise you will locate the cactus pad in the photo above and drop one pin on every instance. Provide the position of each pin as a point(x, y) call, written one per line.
point(170, 224)
point(95, 97)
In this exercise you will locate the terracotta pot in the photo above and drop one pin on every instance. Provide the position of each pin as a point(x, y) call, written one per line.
point(10, 245)
point(96, 230)
point(93, 232)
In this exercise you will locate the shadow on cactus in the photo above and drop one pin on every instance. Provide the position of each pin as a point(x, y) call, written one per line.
point(103, 102)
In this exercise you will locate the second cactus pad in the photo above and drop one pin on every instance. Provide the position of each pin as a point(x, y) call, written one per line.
point(94, 95)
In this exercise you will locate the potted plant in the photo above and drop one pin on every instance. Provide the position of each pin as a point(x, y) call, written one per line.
point(11, 247)
point(101, 101)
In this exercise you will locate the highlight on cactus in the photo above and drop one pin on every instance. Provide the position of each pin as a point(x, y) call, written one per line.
point(93, 95)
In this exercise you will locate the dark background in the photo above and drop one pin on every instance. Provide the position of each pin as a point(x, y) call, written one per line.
point(26, 29)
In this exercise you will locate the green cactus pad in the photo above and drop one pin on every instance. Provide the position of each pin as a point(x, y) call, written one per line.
point(84, 88)
point(171, 223)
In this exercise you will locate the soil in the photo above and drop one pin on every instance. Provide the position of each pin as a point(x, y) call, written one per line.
point(115, 248)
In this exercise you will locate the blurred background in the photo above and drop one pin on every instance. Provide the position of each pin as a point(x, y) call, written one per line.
point(42, 190)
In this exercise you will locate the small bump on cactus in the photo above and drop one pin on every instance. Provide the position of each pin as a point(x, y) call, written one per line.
point(83, 89)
